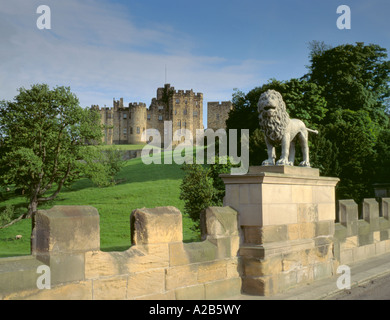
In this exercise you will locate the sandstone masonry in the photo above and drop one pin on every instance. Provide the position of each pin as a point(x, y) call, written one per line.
point(125, 125)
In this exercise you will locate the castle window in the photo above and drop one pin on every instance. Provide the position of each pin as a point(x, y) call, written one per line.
point(185, 111)
point(177, 100)
point(185, 101)
point(138, 130)
point(175, 112)
point(195, 113)
point(217, 116)
point(125, 116)
point(160, 118)
point(108, 115)
point(148, 116)
point(125, 131)
point(131, 130)
point(179, 124)
point(160, 107)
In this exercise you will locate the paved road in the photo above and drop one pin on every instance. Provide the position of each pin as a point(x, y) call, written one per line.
point(376, 289)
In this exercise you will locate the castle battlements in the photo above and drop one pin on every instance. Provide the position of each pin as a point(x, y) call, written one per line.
point(137, 105)
point(125, 123)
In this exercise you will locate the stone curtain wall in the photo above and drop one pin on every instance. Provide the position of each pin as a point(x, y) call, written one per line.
point(359, 239)
point(157, 266)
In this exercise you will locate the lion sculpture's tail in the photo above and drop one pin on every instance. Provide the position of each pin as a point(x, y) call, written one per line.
point(313, 131)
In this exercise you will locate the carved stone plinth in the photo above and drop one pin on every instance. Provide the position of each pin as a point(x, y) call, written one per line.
point(286, 218)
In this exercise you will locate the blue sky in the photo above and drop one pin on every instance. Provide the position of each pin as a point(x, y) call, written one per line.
point(111, 49)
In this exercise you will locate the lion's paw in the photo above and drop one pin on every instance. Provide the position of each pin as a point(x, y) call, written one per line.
point(283, 162)
point(305, 164)
point(268, 162)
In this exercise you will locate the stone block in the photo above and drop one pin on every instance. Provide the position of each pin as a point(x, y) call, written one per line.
point(110, 289)
point(145, 257)
point(323, 194)
point(325, 228)
point(221, 222)
point(350, 243)
point(226, 247)
point(274, 233)
point(307, 212)
point(73, 291)
point(276, 194)
point(233, 268)
point(145, 283)
point(276, 214)
point(326, 211)
point(250, 215)
point(188, 253)
point(348, 216)
point(66, 268)
point(371, 213)
point(167, 295)
point(302, 194)
point(100, 264)
point(287, 170)
point(323, 270)
point(262, 267)
point(232, 196)
point(260, 286)
point(181, 276)
point(380, 248)
point(158, 225)
point(307, 230)
point(212, 271)
point(196, 292)
point(293, 231)
point(65, 229)
point(386, 208)
point(222, 289)
point(18, 274)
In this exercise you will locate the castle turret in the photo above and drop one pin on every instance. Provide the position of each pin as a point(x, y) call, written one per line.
point(217, 114)
point(137, 123)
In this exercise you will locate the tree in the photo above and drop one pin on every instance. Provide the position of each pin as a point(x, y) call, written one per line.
point(345, 96)
point(43, 136)
point(354, 77)
point(202, 187)
point(355, 81)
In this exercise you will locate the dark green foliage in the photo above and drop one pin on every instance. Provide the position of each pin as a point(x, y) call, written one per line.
point(43, 135)
point(202, 187)
point(345, 96)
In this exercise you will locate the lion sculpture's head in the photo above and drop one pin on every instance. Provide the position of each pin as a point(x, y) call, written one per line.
point(273, 117)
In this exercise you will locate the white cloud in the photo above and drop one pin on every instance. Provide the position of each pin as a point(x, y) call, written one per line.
point(94, 48)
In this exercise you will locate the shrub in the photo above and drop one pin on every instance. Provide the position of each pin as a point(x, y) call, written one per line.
point(7, 214)
point(202, 187)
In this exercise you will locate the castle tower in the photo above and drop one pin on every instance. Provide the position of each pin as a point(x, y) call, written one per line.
point(183, 108)
point(125, 125)
point(106, 119)
point(136, 123)
point(217, 114)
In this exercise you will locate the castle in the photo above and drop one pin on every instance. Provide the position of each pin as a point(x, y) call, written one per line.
point(125, 125)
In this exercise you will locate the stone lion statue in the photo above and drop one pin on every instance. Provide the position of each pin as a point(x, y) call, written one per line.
point(278, 129)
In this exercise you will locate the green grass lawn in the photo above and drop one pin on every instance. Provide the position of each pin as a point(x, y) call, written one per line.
point(140, 186)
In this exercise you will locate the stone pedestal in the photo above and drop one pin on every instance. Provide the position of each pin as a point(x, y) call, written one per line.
point(286, 218)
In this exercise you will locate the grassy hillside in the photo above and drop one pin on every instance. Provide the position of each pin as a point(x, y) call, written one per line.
point(139, 186)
